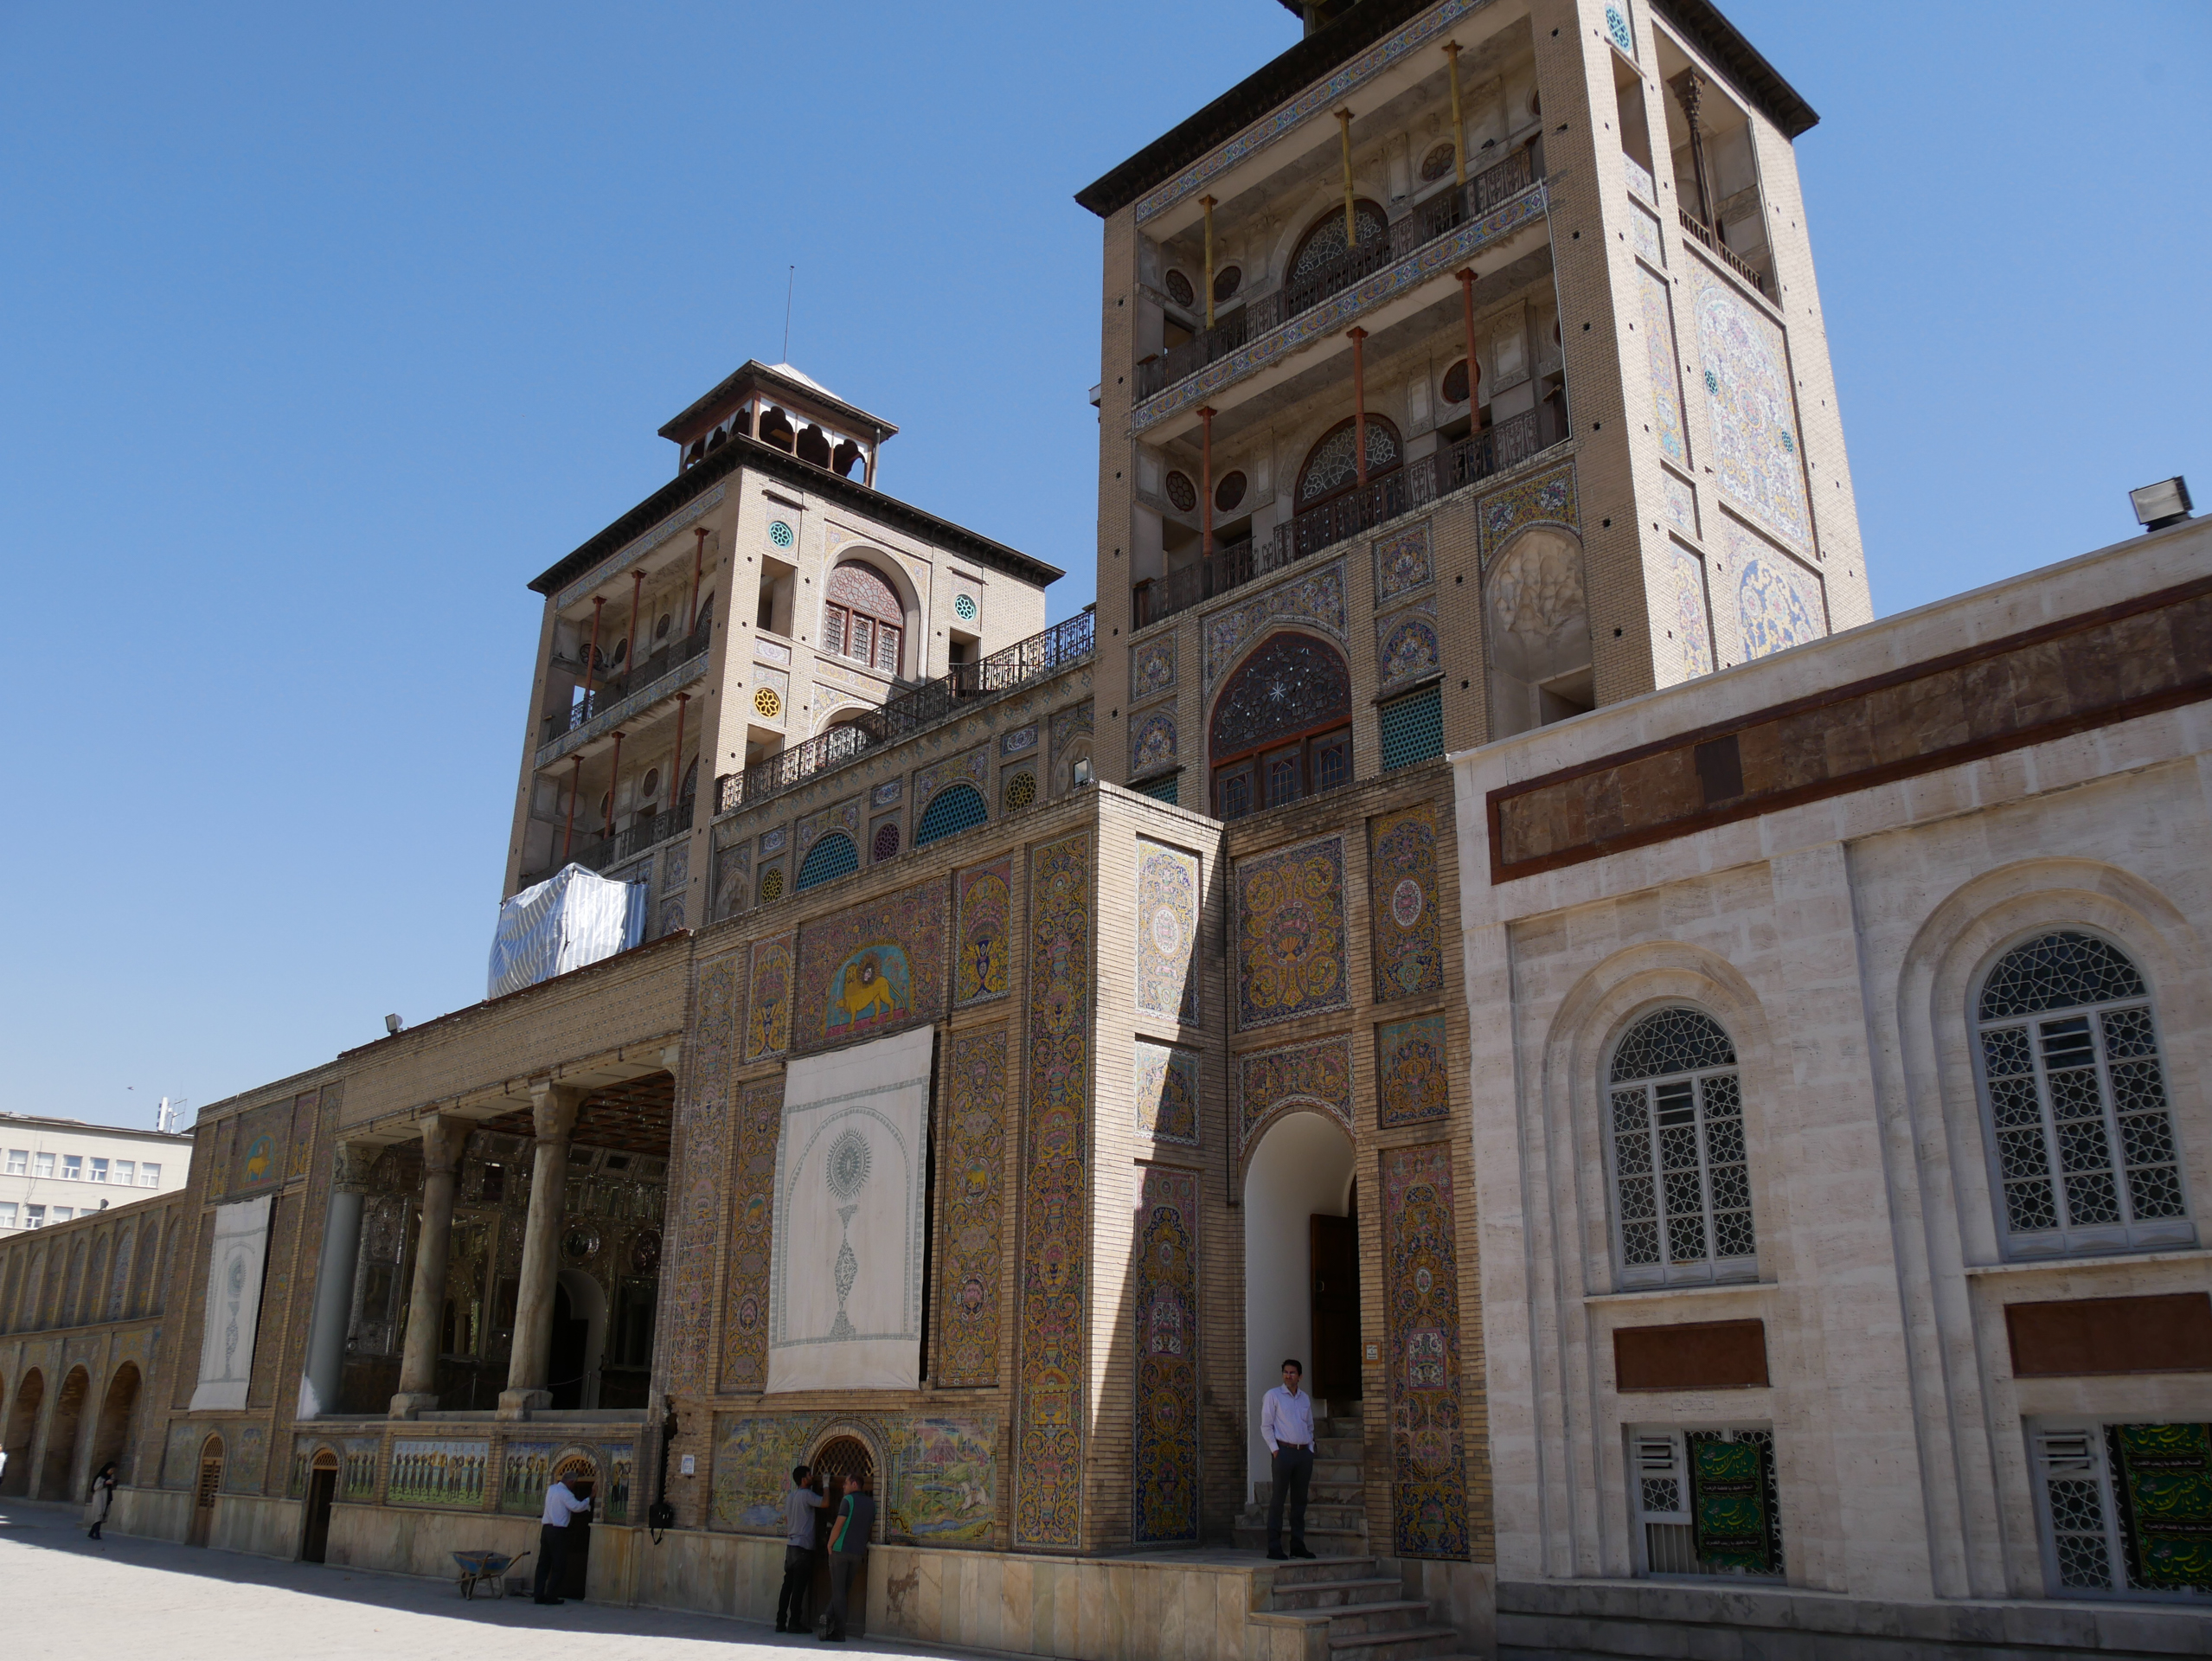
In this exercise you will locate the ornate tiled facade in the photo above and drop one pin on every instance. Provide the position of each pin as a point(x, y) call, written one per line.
point(978, 1112)
point(1167, 932)
point(1165, 1481)
point(1273, 1082)
point(985, 931)
point(1420, 1280)
point(1752, 409)
point(695, 1213)
point(1288, 939)
point(752, 1206)
point(1412, 1078)
point(1691, 629)
point(1542, 498)
point(1769, 601)
point(1316, 598)
point(768, 1025)
point(972, 766)
point(1151, 739)
point(872, 968)
point(1406, 920)
point(1151, 665)
point(1407, 648)
point(1165, 1085)
point(1664, 372)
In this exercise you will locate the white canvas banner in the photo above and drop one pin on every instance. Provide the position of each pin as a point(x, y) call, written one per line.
point(233, 1312)
point(845, 1277)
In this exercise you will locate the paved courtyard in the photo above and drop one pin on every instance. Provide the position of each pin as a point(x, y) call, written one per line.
point(68, 1596)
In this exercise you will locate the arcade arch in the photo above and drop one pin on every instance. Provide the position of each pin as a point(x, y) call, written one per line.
point(61, 1431)
point(23, 1425)
point(1297, 1210)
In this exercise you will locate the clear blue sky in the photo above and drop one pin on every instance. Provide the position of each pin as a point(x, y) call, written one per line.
point(326, 329)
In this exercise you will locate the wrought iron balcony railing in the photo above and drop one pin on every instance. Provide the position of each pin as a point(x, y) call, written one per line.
point(1037, 659)
point(1495, 450)
point(604, 694)
point(595, 851)
point(1438, 216)
point(1729, 257)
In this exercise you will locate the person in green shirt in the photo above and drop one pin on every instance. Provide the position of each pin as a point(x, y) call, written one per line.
point(848, 1551)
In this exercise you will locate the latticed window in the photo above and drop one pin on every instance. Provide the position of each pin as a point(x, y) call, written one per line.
point(830, 858)
point(1413, 728)
point(1332, 465)
point(1166, 790)
point(2125, 1511)
point(1707, 1502)
point(1681, 1184)
point(863, 619)
point(959, 807)
point(2080, 1135)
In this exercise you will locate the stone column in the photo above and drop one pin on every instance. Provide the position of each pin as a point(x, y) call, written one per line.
point(552, 1116)
point(334, 1275)
point(442, 1136)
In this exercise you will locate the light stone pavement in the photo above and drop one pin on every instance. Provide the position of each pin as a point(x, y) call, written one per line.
point(66, 1596)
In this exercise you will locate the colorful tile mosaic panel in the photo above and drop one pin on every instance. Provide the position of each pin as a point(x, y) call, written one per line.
point(1165, 1081)
point(772, 842)
point(1665, 374)
point(1317, 599)
point(1681, 504)
point(767, 1026)
point(1020, 741)
point(871, 970)
point(618, 1469)
point(1407, 648)
point(448, 1476)
point(1756, 457)
point(694, 1213)
point(1413, 1082)
point(1289, 935)
point(733, 891)
point(306, 1112)
point(1546, 498)
point(1644, 226)
point(1167, 932)
point(360, 1457)
point(966, 1351)
point(1152, 738)
point(973, 766)
point(1273, 1082)
point(1054, 1268)
point(984, 896)
point(525, 1472)
point(844, 817)
point(1407, 923)
point(246, 1460)
point(1402, 563)
point(886, 792)
point(1165, 1481)
point(751, 1199)
point(754, 1456)
point(942, 1485)
point(1420, 1278)
point(264, 1148)
point(1151, 666)
point(1769, 601)
point(1686, 619)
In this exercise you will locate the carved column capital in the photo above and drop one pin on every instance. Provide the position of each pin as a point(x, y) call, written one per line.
point(442, 1137)
point(552, 1110)
point(352, 1164)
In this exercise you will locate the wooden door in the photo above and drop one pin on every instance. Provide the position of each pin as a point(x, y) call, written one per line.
point(203, 1495)
point(1334, 1255)
point(322, 1489)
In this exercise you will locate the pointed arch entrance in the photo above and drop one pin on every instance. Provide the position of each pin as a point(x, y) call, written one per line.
point(1282, 728)
point(61, 1432)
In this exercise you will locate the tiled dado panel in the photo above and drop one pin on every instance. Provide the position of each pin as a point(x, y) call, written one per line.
point(2082, 672)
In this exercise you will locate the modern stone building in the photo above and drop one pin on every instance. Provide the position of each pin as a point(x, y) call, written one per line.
point(1004, 1086)
point(52, 1169)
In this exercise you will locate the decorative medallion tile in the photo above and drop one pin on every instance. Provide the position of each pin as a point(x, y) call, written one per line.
point(1421, 1279)
point(1273, 1082)
point(1407, 919)
point(1167, 932)
point(1756, 457)
point(1166, 1087)
point(1152, 738)
point(1413, 1079)
point(1402, 563)
point(1289, 936)
point(1151, 666)
point(1405, 644)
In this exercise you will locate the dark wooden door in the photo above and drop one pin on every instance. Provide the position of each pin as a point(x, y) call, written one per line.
point(564, 1369)
point(1334, 1255)
point(322, 1488)
point(578, 1574)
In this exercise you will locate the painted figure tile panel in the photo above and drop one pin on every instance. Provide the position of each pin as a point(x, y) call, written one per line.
point(248, 1460)
point(1290, 933)
point(973, 1183)
point(754, 1456)
point(264, 1148)
point(617, 1469)
point(1746, 369)
point(1166, 1087)
point(1151, 666)
point(1273, 1082)
point(1316, 600)
point(753, 1199)
point(1406, 647)
point(1412, 1083)
point(1164, 1484)
point(1768, 602)
point(871, 970)
point(1402, 563)
point(357, 1474)
point(1666, 377)
point(447, 1475)
point(1420, 1274)
point(1048, 1434)
point(943, 1481)
point(1407, 917)
point(525, 1472)
point(1152, 738)
point(687, 1317)
point(1167, 932)
point(984, 896)
point(767, 1027)
point(1546, 498)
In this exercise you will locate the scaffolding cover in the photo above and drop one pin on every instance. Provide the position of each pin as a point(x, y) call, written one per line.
point(572, 918)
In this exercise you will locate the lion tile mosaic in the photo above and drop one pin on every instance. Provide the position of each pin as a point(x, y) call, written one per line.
point(871, 969)
point(1288, 934)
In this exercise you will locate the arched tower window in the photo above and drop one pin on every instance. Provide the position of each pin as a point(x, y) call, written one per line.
point(863, 619)
point(1282, 728)
point(1675, 1153)
point(2074, 1098)
point(1324, 244)
point(1332, 465)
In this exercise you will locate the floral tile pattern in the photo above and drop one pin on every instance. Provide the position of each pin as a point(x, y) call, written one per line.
point(986, 930)
point(1164, 1482)
point(1167, 932)
point(1656, 302)
point(974, 1177)
point(1770, 601)
point(1543, 498)
point(1402, 563)
point(1317, 598)
point(1756, 457)
point(1166, 1088)
point(694, 1207)
point(768, 1028)
point(1288, 934)
point(1420, 1277)
point(1273, 1082)
point(1407, 922)
point(753, 1198)
point(1152, 738)
point(1412, 1083)
point(1684, 614)
point(1405, 644)
point(1151, 665)
point(1681, 504)
point(974, 766)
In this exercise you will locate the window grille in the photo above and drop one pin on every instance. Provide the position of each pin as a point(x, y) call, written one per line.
point(1413, 728)
point(1706, 1502)
point(1674, 1144)
point(1162, 790)
point(959, 808)
point(2125, 1511)
point(830, 858)
point(2081, 1140)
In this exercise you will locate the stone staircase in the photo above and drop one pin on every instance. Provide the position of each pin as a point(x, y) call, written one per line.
point(1335, 1511)
point(1345, 1609)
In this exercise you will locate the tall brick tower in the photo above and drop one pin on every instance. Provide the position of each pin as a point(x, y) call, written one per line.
point(1463, 369)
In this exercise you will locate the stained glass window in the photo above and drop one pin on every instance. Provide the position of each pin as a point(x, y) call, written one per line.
point(1680, 1171)
point(1325, 242)
point(2081, 1134)
point(1332, 464)
point(1293, 683)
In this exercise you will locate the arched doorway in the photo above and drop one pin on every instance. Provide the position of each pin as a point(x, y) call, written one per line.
point(1283, 727)
point(1298, 1177)
point(322, 1490)
point(112, 1433)
point(61, 1432)
point(580, 1471)
point(23, 1425)
point(839, 1458)
point(205, 1486)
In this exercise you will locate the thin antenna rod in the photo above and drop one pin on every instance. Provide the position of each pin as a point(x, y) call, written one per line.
point(790, 283)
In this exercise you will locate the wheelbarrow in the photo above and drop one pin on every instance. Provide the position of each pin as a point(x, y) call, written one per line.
point(484, 1566)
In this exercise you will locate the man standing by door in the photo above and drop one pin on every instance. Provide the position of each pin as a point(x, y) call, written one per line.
point(560, 1506)
point(799, 1507)
point(848, 1551)
point(1286, 1425)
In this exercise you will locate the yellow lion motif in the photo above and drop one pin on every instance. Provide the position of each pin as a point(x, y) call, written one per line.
point(866, 993)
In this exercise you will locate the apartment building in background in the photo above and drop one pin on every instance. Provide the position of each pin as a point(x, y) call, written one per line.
point(52, 1169)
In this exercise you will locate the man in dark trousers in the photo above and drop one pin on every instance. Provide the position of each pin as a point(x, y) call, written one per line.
point(799, 1507)
point(560, 1504)
point(1286, 1425)
point(848, 1551)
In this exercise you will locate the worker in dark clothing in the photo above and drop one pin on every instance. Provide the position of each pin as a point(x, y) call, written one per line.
point(848, 1551)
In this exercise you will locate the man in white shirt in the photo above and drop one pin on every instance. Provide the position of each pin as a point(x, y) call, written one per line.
point(1286, 1425)
point(560, 1504)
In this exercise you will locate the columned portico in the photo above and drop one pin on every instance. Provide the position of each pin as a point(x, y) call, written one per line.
point(553, 1118)
point(442, 1137)
point(334, 1278)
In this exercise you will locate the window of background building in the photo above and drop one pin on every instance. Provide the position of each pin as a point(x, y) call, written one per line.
point(2123, 1508)
point(6, 1213)
point(45, 1163)
point(125, 1172)
point(33, 1217)
point(98, 1172)
point(19, 1161)
point(72, 1167)
point(1706, 1502)
point(1681, 1184)
point(59, 1214)
point(149, 1175)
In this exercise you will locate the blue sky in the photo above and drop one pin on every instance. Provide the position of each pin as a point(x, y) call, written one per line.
point(326, 329)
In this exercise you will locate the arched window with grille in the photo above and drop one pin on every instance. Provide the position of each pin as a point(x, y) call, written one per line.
point(862, 618)
point(956, 808)
point(829, 858)
point(1282, 728)
point(2074, 1099)
point(1675, 1154)
point(1332, 465)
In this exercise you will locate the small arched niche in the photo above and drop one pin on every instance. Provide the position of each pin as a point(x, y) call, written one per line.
point(1539, 623)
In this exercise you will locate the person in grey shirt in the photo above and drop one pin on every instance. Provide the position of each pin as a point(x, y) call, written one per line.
point(800, 1507)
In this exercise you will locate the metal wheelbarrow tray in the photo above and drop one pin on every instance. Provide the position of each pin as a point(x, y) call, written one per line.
point(478, 1566)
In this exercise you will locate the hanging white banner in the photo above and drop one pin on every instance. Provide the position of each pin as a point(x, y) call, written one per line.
point(233, 1312)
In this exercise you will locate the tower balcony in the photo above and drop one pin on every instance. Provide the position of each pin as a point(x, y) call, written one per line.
point(624, 697)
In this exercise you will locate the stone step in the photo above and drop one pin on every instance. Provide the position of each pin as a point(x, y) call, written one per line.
point(1392, 1615)
point(1347, 1519)
point(1305, 1597)
point(1337, 1471)
point(1339, 1447)
point(1301, 1573)
point(1322, 1542)
point(1401, 1644)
